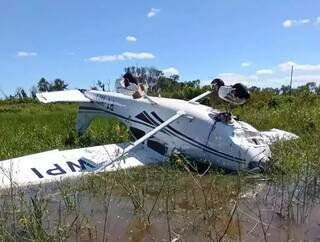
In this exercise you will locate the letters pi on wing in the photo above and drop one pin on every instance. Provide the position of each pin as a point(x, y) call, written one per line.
point(81, 166)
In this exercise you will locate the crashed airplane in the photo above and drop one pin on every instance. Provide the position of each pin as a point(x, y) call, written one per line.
point(161, 126)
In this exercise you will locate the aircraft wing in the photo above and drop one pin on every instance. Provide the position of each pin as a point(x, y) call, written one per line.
point(52, 166)
point(62, 96)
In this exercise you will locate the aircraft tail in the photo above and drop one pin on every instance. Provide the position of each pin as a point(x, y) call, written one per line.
point(62, 96)
point(275, 135)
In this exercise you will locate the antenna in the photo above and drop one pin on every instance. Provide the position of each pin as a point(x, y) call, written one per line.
point(291, 79)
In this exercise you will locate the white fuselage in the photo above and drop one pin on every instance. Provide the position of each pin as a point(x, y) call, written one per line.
point(199, 134)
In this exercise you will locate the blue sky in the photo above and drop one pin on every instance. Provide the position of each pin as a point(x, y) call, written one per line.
point(255, 42)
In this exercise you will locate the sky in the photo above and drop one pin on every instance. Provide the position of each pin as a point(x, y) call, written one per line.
point(251, 41)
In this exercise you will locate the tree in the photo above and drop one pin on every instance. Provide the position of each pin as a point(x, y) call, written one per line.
point(285, 89)
point(175, 77)
point(147, 75)
point(312, 86)
point(318, 90)
point(254, 89)
point(33, 92)
point(21, 93)
point(101, 85)
point(43, 85)
point(151, 76)
point(58, 85)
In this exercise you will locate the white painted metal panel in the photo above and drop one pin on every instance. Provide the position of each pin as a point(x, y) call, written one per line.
point(55, 165)
point(62, 96)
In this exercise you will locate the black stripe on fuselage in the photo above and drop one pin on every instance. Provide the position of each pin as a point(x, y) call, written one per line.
point(143, 117)
point(185, 139)
point(189, 138)
point(151, 119)
point(201, 146)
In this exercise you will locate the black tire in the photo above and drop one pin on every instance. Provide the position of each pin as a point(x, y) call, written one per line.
point(217, 82)
point(241, 91)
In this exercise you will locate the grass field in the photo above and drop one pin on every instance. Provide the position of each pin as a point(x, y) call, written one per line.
point(170, 202)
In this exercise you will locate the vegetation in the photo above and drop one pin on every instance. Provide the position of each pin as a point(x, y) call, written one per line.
point(174, 202)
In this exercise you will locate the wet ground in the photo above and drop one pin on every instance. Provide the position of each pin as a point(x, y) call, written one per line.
point(201, 210)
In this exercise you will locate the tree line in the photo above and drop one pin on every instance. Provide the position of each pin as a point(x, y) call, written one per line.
point(158, 84)
point(42, 86)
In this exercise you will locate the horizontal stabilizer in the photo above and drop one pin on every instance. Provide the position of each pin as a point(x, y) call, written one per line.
point(275, 135)
point(52, 166)
point(62, 96)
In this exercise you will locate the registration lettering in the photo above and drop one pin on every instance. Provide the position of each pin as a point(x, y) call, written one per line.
point(79, 166)
point(106, 101)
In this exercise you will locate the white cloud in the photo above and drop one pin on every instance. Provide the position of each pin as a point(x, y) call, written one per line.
point(170, 72)
point(298, 67)
point(317, 20)
point(305, 21)
point(153, 12)
point(141, 55)
point(246, 64)
point(286, 66)
point(277, 76)
point(291, 22)
point(264, 72)
point(26, 54)
point(105, 58)
point(131, 38)
point(122, 57)
point(303, 79)
point(287, 23)
point(297, 80)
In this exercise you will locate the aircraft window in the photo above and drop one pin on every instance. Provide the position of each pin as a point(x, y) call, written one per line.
point(137, 133)
point(156, 146)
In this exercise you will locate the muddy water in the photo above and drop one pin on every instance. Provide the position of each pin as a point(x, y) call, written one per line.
point(263, 212)
point(200, 210)
point(123, 223)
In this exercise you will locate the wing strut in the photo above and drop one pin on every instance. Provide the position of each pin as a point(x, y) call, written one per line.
point(104, 164)
point(193, 100)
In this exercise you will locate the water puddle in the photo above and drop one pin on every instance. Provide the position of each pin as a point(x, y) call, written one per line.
point(191, 208)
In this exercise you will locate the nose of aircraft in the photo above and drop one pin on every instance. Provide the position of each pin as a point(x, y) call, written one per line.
point(258, 159)
point(259, 166)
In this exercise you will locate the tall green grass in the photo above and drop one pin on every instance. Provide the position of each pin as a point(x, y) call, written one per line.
point(28, 128)
point(299, 114)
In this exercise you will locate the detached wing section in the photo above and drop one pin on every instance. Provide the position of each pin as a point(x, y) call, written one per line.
point(55, 165)
point(62, 96)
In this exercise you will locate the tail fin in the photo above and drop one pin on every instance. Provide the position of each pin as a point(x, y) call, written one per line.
point(62, 96)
